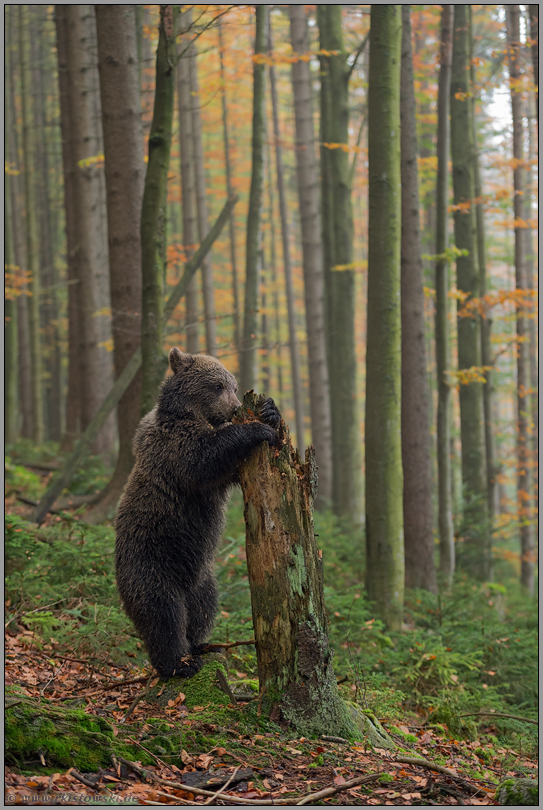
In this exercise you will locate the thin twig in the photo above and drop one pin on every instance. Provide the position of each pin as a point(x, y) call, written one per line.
point(79, 660)
point(500, 714)
point(334, 739)
point(223, 788)
point(227, 645)
point(136, 700)
point(331, 791)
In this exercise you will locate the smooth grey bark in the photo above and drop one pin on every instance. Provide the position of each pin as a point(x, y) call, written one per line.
point(229, 188)
point(309, 199)
point(289, 286)
point(250, 341)
point(384, 485)
point(10, 303)
point(124, 174)
point(527, 545)
point(420, 569)
point(477, 550)
point(273, 269)
point(32, 256)
point(201, 207)
point(72, 426)
point(443, 359)
point(188, 184)
point(95, 362)
point(337, 230)
point(534, 35)
point(532, 342)
point(49, 305)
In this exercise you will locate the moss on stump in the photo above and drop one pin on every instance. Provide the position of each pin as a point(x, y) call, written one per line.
point(200, 690)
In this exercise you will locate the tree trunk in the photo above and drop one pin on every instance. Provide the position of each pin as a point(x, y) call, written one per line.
point(19, 253)
point(10, 318)
point(274, 282)
point(308, 196)
point(443, 361)
point(249, 345)
point(384, 529)
point(49, 296)
point(153, 215)
point(73, 397)
point(339, 274)
point(289, 286)
point(95, 365)
point(297, 682)
point(232, 224)
point(534, 36)
point(124, 171)
point(523, 414)
point(201, 207)
point(477, 548)
point(486, 323)
point(188, 190)
point(32, 257)
point(532, 344)
point(420, 569)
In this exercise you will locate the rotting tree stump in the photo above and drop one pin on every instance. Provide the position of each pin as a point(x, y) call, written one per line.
point(297, 681)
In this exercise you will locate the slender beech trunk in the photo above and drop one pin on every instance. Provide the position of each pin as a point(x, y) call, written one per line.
point(49, 307)
point(249, 346)
point(308, 196)
point(384, 485)
point(337, 220)
point(188, 190)
point(289, 285)
point(534, 36)
point(420, 571)
point(523, 414)
point(153, 215)
point(73, 397)
point(10, 321)
point(532, 343)
point(443, 360)
point(486, 322)
point(201, 207)
point(124, 172)
point(93, 302)
point(477, 548)
point(24, 387)
point(274, 279)
point(32, 256)
point(229, 188)
point(297, 682)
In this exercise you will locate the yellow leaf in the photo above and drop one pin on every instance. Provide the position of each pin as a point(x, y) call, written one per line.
point(107, 344)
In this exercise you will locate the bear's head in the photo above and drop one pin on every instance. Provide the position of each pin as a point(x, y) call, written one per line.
point(200, 384)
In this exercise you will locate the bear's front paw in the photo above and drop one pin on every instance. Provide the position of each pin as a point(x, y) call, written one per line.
point(270, 413)
point(188, 666)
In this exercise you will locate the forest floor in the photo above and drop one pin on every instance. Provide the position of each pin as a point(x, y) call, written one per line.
point(271, 767)
point(460, 658)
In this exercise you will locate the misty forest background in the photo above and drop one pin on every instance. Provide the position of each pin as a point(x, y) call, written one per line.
point(375, 176)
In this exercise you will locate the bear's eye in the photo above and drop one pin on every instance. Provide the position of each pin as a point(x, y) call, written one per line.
point(219, 387)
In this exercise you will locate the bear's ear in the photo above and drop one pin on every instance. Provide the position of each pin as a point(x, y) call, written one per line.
point(179, 361)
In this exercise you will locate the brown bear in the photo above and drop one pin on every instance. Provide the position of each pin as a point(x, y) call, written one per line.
point(171, 514)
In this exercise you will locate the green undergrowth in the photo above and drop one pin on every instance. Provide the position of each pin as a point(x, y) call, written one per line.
point(469, 651)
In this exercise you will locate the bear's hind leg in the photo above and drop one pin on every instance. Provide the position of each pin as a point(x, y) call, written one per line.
point(202, 604)
point(163, 628)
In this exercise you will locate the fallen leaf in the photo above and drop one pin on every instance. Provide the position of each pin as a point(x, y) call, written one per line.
point(404, 729)
point(221, 752)
point(339, 780)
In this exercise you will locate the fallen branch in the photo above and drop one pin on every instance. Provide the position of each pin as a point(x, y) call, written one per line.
point(64, 476)
point(82, 779)
point(136, 700)
point(223, 788)
point(227, 645)
point(67, 658)
point(425, 763)
point(500, 714)
point(331, 791)
point(334, 739)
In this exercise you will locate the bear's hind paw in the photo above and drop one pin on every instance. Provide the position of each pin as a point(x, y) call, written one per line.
point(188, 666)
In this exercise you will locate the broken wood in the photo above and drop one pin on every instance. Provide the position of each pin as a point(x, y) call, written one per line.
point(297, 681)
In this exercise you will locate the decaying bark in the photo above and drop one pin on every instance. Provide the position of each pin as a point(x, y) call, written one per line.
point(285, 573)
